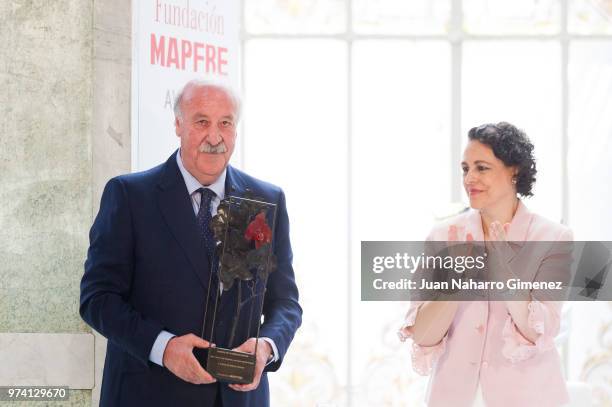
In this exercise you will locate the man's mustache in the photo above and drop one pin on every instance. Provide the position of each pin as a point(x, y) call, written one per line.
point(206, 147)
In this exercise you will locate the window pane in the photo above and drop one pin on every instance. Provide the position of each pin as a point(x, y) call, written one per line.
point(497, 17)
point(590, 16)
point(400, 174)
point(400, 139)
point(401, 16)
point(295, 137)
point(295, 16)
point(590, 140)
point(519, 82)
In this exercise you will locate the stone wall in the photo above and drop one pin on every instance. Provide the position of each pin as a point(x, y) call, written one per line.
point(64, 131)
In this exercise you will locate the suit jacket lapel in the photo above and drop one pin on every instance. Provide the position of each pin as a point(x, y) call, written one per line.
point(517, 232)
point(234, 183)
point(176, 208)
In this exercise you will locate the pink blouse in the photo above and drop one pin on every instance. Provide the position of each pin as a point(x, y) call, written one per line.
point(483, 343)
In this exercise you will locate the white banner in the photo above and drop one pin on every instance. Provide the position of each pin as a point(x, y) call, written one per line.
point(174, 41)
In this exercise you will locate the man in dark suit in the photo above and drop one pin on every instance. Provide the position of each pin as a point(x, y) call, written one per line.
point(148, 269)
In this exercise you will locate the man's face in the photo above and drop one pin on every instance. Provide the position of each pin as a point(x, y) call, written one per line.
point(207, 129)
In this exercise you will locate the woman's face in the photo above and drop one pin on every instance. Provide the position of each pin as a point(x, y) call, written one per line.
point(486, 179)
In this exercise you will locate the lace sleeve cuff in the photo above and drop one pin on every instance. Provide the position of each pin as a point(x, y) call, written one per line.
point(423, 357)
point(518, 348)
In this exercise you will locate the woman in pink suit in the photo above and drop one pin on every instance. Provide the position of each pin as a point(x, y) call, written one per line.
point(495, 353)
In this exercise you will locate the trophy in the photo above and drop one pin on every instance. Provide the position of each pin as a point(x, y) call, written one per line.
point(243, 228)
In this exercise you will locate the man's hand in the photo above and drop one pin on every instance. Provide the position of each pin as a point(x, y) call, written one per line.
point(264, 350)
point(179, 359)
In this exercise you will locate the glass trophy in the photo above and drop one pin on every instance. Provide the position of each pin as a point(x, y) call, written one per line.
point(243, 228)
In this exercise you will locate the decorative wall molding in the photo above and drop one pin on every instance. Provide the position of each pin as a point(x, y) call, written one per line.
point(47, 359)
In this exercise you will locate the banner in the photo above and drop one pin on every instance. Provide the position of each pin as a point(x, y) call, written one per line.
point(175, 41)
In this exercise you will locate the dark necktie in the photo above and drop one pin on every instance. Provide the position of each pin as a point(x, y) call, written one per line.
point(204, 217)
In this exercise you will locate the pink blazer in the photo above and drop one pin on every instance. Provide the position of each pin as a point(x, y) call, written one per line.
point(483, 343)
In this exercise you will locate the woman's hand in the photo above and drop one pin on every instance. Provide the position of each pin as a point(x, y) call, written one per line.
point(459, 244)
point(499, 253)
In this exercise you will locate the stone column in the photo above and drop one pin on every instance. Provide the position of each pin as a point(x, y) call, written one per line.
point(64, 131)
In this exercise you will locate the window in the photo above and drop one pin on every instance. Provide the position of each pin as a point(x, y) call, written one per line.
point(360, 109)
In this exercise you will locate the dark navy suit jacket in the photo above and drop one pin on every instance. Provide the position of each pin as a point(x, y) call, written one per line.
point(147, 270)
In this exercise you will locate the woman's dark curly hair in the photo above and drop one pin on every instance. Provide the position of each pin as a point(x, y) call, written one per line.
point(513, 148)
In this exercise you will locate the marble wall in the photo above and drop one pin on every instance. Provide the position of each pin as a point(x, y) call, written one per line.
point(64, 131)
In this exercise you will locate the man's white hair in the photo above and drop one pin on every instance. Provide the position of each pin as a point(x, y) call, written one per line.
point(197, 83)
